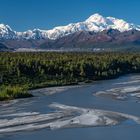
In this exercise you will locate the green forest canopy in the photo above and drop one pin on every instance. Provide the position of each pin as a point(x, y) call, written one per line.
point(52, 68)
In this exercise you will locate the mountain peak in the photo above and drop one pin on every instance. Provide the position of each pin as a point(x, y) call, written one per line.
point(97, 18)
point(5, 27)
point(6, 32)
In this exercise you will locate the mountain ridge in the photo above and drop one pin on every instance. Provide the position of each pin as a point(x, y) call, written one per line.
point(95, 32)
point(96, 23)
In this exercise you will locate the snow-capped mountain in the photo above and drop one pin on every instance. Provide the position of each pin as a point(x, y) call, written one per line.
point(6, 32)
point(95, 23)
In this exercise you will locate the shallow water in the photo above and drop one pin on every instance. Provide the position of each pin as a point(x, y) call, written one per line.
point(34, 112)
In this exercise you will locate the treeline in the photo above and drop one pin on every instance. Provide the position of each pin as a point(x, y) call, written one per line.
point(51, 68)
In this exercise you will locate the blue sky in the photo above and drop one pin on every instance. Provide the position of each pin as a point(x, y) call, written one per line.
point(45, 14)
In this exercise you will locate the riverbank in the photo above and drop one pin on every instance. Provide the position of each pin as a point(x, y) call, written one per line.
point(17, 92)
point(50, 69)
point(13, 92)
point(32, 114)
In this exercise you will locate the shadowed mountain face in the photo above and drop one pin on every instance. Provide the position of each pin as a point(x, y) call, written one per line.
point(3, 47)
point(105, 39)
point(110, 39)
